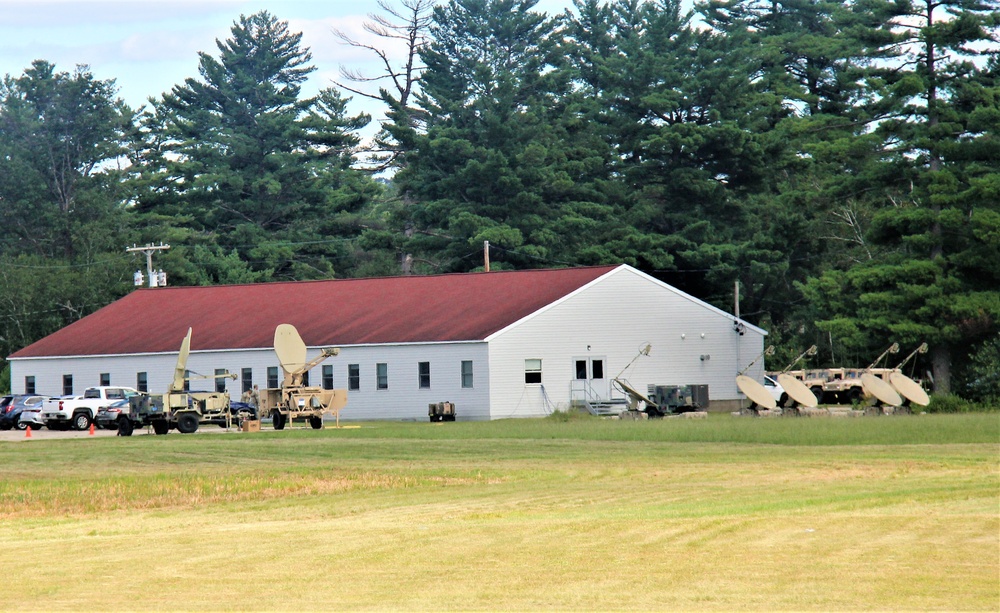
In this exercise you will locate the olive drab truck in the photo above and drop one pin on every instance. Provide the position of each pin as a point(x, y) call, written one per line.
point(293, 400)
point(177, 408)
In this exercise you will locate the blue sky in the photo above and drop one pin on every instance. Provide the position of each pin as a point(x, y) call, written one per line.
point(148, 46)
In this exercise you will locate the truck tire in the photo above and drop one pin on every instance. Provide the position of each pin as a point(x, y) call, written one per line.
point(278, 420)
point(125, 426)
point(161, 427)
point(316, 422)
point(818, 392)
point(187, 423)
point(81, 420)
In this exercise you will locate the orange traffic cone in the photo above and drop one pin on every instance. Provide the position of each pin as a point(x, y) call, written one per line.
point(91, 429)
point(27, 432)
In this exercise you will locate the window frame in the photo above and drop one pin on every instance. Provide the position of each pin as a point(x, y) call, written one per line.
point(424, 375)
point(531, 373)
point(327, 378)
point(469, 374)
point(353, 377)
point(381, 376)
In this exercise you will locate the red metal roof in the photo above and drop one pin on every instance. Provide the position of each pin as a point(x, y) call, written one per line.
point(440, 308)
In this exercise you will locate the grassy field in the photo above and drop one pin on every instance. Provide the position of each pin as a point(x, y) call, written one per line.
point(717, 514)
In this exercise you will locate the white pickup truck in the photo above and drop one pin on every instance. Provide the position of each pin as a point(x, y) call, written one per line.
point(78, 414)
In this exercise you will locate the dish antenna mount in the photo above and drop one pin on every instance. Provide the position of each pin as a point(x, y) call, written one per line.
point(876, 386)
point(796, 389)
point(907, 387)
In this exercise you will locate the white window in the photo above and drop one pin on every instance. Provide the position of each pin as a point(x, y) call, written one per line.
point(532, 371)
point(466, 373)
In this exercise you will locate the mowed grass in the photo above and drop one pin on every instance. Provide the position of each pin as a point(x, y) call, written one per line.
point(718, 514)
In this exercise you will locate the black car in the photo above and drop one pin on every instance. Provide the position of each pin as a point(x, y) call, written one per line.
point(12, 406)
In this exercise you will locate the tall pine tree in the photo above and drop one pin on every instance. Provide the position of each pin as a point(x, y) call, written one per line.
point(260, 174)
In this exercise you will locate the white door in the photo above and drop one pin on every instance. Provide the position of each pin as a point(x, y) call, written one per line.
point(589, 379)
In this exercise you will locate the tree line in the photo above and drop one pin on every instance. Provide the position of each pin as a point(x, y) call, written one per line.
point(839, 160)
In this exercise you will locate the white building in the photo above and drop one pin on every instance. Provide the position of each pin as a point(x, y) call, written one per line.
point(497, 344)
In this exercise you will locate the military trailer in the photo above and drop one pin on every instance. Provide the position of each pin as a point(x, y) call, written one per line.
point(293, 400)
point(181, 409)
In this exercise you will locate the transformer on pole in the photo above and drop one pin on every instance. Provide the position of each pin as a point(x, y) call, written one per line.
point(157, 278)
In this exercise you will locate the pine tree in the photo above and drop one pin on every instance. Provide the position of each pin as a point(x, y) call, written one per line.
point(932, 279)
point(255, 169)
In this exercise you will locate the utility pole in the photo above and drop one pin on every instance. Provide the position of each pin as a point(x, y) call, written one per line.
point(737, 325)
point(486, 255)
point(156, 278)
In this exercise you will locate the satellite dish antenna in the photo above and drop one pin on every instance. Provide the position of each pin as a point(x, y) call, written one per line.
point(880, 389)
point(756, 392)
point(909, 389)
point(290, 348)
point(797, 391)
point(753, 390)
point(180, 370)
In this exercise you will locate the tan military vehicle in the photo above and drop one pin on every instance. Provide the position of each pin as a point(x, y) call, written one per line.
point(179, 408)
point(293, 400)
point(843, 385)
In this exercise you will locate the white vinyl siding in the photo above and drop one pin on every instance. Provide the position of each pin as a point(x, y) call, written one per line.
point(598, 321)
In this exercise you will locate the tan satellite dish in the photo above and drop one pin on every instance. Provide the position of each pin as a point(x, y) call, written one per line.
point(633, 392)
point(290, 348)
point(797, 390)
point(756, 392)
point(880, 389)
point(909, 389)
point(180, 371)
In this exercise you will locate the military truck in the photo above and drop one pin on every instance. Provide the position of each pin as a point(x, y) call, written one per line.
point(293, 400)
point(181, 409)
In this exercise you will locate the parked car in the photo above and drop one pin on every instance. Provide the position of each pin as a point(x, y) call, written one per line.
point(777, 392)
point(11, 408)
point(107, 416)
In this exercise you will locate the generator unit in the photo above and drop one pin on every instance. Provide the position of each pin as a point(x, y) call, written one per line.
point(678, 398)
point(441, 411)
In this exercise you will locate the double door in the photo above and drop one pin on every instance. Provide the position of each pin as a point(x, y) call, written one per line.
point(589, 379)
